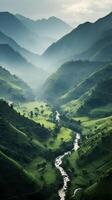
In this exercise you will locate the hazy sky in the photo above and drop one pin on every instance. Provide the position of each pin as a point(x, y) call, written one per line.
point(73, 11)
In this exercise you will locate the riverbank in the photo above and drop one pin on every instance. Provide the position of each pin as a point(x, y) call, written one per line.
point(58, 164)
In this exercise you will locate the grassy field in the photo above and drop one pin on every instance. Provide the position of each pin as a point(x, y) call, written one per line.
point(45, 118)
point(43, 113)
point(64, 136)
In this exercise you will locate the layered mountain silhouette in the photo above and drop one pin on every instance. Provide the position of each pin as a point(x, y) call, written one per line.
point(52, 28)
point(31, 57)
point(78, 41)
point(14, 62)
point(22, 34)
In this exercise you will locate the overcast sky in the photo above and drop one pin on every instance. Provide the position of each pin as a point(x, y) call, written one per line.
point(72, 11)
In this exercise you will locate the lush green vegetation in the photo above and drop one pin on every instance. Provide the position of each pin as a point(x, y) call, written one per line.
point(90, 164)
point(68, 76)
point(43, 114)
point(31, 148)
point(13, 89)
point(27, 158)
point(83, 87)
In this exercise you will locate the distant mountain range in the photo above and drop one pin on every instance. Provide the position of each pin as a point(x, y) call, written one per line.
point(80, 40)
point(28, 55)
point(17, 64)
point(20, 37)
point(88, 49)
point(28, 33)
point(52, 28)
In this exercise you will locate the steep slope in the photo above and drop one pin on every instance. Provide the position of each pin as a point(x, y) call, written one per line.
point(67, 77)
point(25, 163)
point(95, 101)
point(100, 189)
point(14, 180)
point(87, 84)
point(21, 123)
point(101, 50)
point(52, 27)
point(18, 65)
point(31, 57)
point(20, 143)
point(12, 88)
point(90, 168)
point(14, 28)
point(76, 42)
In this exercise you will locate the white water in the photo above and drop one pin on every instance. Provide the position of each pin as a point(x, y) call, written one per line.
point(57, 116)
point(66, 179)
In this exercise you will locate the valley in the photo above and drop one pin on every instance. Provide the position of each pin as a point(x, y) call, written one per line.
point(55, 109)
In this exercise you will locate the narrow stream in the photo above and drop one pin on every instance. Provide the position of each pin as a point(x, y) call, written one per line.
point(59, 161)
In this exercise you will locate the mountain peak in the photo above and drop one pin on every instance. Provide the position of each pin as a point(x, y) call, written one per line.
point(58, 20)
point(53, 18)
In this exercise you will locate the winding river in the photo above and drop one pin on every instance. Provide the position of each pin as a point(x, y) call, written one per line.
point(58, 164)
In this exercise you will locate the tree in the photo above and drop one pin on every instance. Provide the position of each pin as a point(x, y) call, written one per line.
point(31, 114)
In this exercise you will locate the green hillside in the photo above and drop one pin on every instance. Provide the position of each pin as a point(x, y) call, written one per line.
point(24, 160)
point(12, 88)
point(85, 85)
point(94, 104)
point(30, 149)
point(90, 167)
point(14, 180)
point(68, 76)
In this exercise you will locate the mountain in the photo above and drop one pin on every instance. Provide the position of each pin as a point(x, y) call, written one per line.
point(84, 86)
point(68, 76)
point(90, 168)
point(14, 89)
point(20, 142)
point(93, 102)
point(52, 28)
point(101, 50)
point(92, 97)
point(76, 42)
point(14, 28)
point(18, 65)
point(31, 57)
